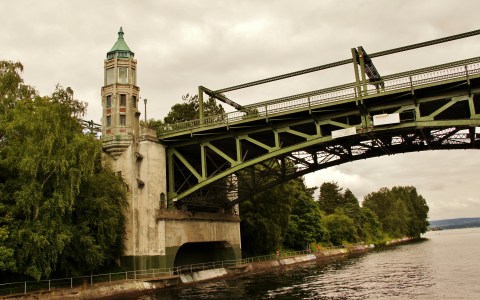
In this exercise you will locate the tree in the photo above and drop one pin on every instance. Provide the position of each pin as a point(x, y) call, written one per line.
point(97, 224)
point(190, 110)
point(45, 163)
point(417, 209)
point(341, 228)
point(330, 197)
point(371, 228)
point(401, 210)
point(390, 211)
point(264, 220)
point(306, 225)
point(7, 259)
point(50, 155)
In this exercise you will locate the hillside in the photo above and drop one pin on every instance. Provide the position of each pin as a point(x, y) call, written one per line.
point(455, 223)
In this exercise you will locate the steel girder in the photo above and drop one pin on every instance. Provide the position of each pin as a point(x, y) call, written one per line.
point(221, 166)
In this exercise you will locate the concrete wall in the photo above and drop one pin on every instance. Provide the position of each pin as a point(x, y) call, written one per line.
point(142, 165)
point(183, 227)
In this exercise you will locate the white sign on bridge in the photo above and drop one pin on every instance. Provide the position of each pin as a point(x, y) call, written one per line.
point(385, 119)
point(344, 132)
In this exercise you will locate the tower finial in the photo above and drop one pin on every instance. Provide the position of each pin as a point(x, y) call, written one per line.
point(120, 33)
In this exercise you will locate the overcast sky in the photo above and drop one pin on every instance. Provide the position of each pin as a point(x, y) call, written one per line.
point(182, 44)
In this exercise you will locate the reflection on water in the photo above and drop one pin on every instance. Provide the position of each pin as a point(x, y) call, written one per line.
point(445, 265)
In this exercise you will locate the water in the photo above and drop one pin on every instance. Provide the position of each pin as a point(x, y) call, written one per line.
point(446, 265)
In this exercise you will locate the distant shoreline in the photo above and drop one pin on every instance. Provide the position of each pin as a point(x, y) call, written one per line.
point(454, 224)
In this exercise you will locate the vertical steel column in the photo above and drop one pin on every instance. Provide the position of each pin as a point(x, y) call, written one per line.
point(471, 106)
point(203, 160)
point(359, 96)
point(238, 145)
point(200, 104)
point(361, 56)
point(171, 180)
point(357, 76)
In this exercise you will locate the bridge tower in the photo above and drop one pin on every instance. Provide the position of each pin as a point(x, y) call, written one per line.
point(157, 236)
point(120, 95)
point(126, 145)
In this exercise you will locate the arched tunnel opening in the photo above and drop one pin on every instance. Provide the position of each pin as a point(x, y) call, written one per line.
point(204, 252)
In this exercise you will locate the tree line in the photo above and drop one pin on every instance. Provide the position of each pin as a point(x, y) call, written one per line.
point(289, 216)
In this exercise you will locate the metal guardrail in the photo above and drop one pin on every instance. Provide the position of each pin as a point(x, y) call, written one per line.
point(25, 287)
point(390, 83)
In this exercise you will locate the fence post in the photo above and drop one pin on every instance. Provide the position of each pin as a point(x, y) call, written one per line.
point(126, 275)
point(266, 112)
point(49, 285)
point(71, 282)
point(110, 276)
point(91, 280)
point(25, 291)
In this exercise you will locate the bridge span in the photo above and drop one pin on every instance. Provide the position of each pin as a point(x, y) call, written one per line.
point(431, 108)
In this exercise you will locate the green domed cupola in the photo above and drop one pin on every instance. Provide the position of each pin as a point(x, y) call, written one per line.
point(120, 49)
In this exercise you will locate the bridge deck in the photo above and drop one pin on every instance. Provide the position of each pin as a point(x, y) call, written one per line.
point(436, 76)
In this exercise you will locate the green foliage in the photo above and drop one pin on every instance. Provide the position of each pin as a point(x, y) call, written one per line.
point(96, 224)
point(265, 219)
point(371, 228)
point(7, 259)
point(330, 197)
point(417, 209)
point(187, 111)
point(341, 228)
point(306, 224)
point(48, 168)
point(401, 210)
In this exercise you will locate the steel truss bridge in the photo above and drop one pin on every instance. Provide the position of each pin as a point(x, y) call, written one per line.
point(218, 161)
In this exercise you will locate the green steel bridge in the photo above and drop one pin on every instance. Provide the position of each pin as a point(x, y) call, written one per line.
point(218, 161)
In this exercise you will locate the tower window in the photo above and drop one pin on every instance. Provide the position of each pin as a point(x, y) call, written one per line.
point(123, 100)
point(134, 77)
point(123, 120)
point(109, 101)
point(110, 77)
point(134, 101)
point(109, 121)
point(122, 75)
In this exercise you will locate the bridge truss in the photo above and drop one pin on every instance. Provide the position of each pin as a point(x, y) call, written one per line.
point(220, 161)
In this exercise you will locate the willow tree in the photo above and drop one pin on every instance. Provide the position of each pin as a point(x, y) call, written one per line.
point(45, 161)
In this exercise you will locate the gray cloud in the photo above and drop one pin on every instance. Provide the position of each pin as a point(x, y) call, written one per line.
point(182, 44)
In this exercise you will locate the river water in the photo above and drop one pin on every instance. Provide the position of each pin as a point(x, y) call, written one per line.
point(444, 265)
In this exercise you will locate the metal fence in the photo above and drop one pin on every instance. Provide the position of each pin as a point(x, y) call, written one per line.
point(463, 69)
point(25, 287)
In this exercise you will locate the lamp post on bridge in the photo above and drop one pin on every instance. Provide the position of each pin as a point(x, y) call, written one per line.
point(145, 101)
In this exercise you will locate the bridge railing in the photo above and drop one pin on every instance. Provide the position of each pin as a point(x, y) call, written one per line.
point(389, 83)
point(424, 76)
